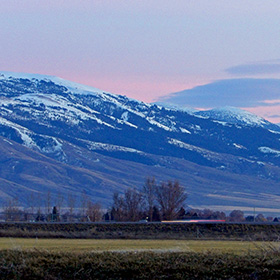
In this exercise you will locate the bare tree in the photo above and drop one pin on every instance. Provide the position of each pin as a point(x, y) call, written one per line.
point(11, 210)
point(31, 203)
point(59, 201)
point(148, 190)
point(127, 207)
point(71, 205)
point(39, 216)
point(170, 197)
point(48, 203)
point(133, 204)
point(84, 202)
point(117, 211)
point(94, 212)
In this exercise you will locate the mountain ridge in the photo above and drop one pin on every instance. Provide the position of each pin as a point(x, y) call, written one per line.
point(87, 129)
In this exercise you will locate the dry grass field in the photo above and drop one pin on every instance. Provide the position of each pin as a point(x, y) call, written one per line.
point(115, 245)
point(49, 259)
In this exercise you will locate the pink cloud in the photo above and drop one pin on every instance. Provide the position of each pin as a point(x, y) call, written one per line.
point(275, 101)
point(270, 113)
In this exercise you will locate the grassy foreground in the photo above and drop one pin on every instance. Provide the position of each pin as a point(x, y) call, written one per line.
point(50, 259)
point(33, 264)
point(121, 245)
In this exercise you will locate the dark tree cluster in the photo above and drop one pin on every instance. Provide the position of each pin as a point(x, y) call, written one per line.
point(204, 214)
point(154, 202)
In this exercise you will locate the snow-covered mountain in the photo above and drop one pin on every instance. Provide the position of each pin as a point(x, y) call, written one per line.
point(237, 116)
point(115, 142)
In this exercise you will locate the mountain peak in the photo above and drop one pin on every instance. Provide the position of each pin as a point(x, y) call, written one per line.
point(237, 116)
point(72, 86)
point(233, 111)
point(29, 76)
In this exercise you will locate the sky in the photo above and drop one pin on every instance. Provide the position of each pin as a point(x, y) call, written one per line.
point(196, 53)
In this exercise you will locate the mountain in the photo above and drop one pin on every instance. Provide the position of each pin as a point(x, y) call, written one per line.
point(64, 137)
point(237, 116)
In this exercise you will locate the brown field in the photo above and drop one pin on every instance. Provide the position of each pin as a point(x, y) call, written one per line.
point(49, 259)
point(109, 245)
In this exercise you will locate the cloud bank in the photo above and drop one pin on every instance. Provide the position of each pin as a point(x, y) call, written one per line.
point(243, 93)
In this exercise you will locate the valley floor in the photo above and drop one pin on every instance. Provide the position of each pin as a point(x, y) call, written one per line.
point(137, 259)
point(124, 245)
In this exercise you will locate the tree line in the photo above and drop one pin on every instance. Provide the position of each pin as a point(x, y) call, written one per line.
point(153, 202)
point(53, 208)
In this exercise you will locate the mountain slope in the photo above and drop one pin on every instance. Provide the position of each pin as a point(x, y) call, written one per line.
point(26, 173)
point(115, 142)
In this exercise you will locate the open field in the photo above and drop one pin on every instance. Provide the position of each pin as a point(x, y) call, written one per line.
point(139, 251)
point(109, 245)
point(45, 265)
point(49, 259)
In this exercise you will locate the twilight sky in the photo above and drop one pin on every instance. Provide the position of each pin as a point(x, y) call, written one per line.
point(149, 49)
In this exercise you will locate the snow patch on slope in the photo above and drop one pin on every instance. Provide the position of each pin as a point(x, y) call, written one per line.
point(50, 146)
point(205, 153)
point(153, 122)
point(273, 131)
point(238, 146)
point(183, 130)
point(22, 131)
point(58, 107)
point(174, 107)
point(267, 150)
point(109, 147)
